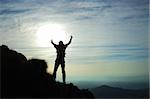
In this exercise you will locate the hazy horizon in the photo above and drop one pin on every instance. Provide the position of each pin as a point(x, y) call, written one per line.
point(110, 37)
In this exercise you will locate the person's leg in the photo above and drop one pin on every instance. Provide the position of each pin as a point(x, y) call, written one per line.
point(55, 70)
point(63, 72)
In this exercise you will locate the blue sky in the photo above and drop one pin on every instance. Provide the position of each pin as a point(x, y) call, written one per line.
point(110, 36)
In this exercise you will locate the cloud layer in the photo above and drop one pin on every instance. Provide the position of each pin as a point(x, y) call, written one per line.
point(108, 30)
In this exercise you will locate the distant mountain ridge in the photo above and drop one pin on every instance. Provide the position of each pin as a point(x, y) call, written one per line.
point(106, 91)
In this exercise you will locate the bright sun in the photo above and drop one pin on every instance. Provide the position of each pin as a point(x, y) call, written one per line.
point(48, 32)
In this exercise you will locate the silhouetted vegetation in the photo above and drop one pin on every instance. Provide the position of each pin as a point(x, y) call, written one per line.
point(28, 78)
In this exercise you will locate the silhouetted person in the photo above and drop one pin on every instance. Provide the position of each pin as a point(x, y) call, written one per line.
point(60, 58)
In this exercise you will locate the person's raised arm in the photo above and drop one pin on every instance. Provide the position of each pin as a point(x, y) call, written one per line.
point(69, 41)
point(53, 43)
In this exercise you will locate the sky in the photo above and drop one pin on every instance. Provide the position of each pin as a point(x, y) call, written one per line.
point(110, 37)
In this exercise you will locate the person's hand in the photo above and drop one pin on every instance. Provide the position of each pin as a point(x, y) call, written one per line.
point(51, 41)
point(71, 36)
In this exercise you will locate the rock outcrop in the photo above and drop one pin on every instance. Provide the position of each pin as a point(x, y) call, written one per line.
point(22, 78)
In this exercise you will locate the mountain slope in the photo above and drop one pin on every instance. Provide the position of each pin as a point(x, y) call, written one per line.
point(22, 78)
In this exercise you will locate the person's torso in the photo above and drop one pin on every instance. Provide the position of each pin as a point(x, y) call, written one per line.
point(61, 51)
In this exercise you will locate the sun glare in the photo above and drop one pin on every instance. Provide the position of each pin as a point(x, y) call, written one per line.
point(46, 33)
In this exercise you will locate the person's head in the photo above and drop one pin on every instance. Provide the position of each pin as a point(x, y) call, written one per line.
point(61, 43)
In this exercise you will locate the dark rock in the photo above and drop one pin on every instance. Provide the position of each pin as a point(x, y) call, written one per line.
point(22, 78)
